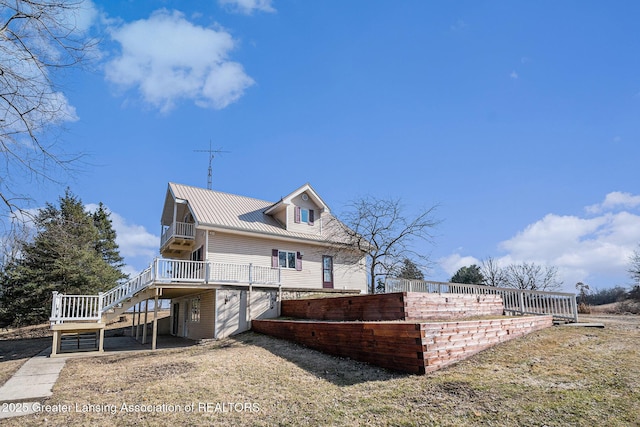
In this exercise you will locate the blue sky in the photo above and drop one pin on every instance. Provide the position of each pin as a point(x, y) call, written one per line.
point(519, 119)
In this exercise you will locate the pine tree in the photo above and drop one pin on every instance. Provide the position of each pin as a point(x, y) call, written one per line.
point(410, 271)
point(472, 275)
point(106, 244)
point(69, 254)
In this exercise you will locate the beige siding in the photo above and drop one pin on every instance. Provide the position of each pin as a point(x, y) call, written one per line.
point(234, 312)
point(230, 248)
point(303, 227)
point(203, 328)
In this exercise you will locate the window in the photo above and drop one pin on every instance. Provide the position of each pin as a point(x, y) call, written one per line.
point(303, 215)
point(286, 259)
point(194, 314)
point(197, 255)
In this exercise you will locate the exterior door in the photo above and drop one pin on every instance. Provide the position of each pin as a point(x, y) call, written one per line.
point(327, 271)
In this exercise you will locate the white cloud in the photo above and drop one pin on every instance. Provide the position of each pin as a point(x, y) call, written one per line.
point(613, 200)
point(168, 59)
point(458, 26)
point(452, 263)
point(582, 248)
point(138, 246)
point(247, 7)
point(513, 75)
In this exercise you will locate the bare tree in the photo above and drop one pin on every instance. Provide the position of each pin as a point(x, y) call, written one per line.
point(531, 276)
point(634, 267)
point(493, 274)
point(38, 40)
point(381, 229)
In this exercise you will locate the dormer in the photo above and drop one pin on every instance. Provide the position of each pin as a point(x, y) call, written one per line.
point(301, 211)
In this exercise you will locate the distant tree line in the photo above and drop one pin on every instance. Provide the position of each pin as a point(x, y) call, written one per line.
point(72, 251)
point(530, 276)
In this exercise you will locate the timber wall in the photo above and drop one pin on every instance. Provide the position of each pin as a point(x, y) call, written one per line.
point(411, 347)
point(395, 306)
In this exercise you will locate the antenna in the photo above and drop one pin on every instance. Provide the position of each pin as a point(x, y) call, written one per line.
point(211, 156)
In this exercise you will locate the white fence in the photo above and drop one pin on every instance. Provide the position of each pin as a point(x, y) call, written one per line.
point(516, 301)
point(161, 271)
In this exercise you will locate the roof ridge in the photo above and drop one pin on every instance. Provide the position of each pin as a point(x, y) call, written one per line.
point(223, 193)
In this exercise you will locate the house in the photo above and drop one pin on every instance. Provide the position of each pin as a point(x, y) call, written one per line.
point(225, 260)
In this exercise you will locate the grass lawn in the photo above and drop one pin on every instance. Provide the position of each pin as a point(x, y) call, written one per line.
point(561, 376)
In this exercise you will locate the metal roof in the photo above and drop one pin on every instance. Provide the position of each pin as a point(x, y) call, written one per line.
point(216, 209)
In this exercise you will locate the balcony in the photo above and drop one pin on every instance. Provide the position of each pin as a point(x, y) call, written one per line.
point(177, 239)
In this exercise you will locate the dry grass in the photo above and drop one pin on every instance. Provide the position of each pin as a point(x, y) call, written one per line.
point(19, 344)
point(560, 376)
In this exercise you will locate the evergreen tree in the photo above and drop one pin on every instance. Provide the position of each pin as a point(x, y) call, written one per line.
point(410, 271)
point(106, 244)
point(471, 275)
point(69, 254)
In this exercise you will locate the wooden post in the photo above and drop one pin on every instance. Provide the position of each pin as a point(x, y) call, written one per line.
point(138, 321)
point(154, 336)
point(55, 346)
point(101, 342)
point(133, 322)
point(144, 328)
point(249, 304)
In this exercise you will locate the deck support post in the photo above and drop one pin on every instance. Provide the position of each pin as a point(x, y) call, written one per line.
point(138, 321)
point(146, 316)
point(101, 340)
point(249, 305)
point(154, 336)
point(133, 322)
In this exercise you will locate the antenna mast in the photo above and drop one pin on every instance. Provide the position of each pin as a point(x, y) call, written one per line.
point(211, 156)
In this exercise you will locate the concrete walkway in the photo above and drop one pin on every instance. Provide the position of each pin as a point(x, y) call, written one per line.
point(33, 382)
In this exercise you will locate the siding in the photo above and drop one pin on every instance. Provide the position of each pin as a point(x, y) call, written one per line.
point(229, 248)
point(303, 227)
point(205, 327)
point(233, 310)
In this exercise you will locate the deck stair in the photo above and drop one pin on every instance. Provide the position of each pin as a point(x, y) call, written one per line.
point(86, 314)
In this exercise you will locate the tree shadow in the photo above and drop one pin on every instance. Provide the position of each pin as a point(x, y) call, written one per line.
point(338, 370)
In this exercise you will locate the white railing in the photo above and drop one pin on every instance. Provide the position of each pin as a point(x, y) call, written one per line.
point(75, 307)
point(161, 271)
point(182, 229)
point(516, 301)
point(126, 290)
point(173, 270)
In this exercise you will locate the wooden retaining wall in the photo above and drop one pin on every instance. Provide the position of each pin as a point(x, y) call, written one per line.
point(424, 306)
point(396, 346)
point(357, 307)
point(394, 306)
point(410, 347)
point(449, 342)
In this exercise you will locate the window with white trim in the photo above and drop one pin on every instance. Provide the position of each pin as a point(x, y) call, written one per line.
point(194, 313)
point(287, 259)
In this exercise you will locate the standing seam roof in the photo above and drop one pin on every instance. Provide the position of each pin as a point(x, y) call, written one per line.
point(217, 209)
